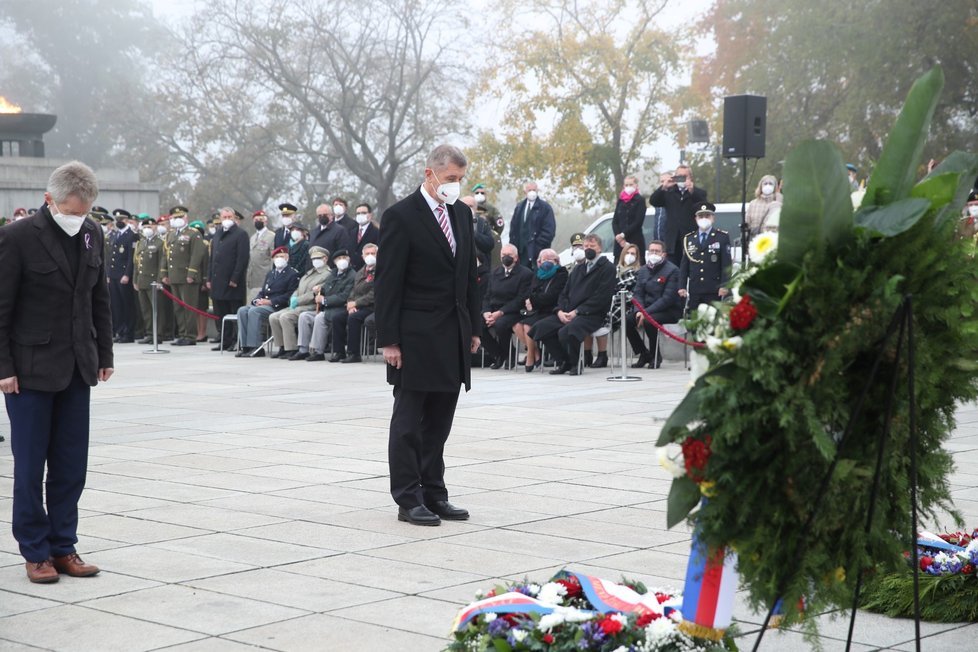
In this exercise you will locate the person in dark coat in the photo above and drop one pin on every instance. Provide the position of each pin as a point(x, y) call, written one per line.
point(428, 324)
point(348, 324)
point(283, 234)
point(484, 243)
point(341, 215)
point(657, 289)
point(705, 270)
point(509, 286)
point(56, 335)
point(228, 269)
point(532, 227)
point(365, 233)
point(581, 310)
point(629, 219)
point(680, 197)
point(280, 282)
point(327, 233)
point(299, 248)
point(122, 242)
point(547, 284)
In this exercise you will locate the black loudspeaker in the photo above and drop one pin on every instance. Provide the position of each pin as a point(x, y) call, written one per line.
point(744, 126)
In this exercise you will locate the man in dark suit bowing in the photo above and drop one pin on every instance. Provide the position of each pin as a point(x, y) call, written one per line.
point(427, 325)
point(55, 344)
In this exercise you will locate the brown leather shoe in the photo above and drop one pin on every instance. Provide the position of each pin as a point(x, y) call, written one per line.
point(41, 572)
point(73, 566)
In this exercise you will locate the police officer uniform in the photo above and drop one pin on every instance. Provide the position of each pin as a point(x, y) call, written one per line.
point(182, 266)
point(146, 271)
point(705, 267)
point(119, 271)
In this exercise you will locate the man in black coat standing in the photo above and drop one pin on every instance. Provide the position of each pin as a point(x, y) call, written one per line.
point(365, 233)
point(55, 344)
point(680, 197)
point(427, 326)
point(532, 227)
point(629, 219)
point(328, 233)
point(228, 269)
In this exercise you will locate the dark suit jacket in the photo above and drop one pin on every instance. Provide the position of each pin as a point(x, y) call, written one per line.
point(346, 222)
point(121, 246)
point(52, 318)
point(507, 294)
point(657, 290)
point(427, 299)
point(628, 219)
point(590, 294)
point(230, 251)
point(333, 238)
point(370, 236)
point(706, 266)
point(279, 286)
point(484, 243)
point(680, 213)
point(283, 236)
point(542, 229)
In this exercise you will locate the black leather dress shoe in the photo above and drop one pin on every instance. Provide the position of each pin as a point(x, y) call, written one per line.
point(318, 357)
point(419, 515)
point(299, 355)
point(497, 364)
point(243, 352)
point(448, 511)
point(336, 357)
point(260, 353)
point(560, 369)
point(574, 371)
point(353, 357)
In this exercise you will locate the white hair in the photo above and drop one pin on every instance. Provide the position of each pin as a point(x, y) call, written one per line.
point(74, 178)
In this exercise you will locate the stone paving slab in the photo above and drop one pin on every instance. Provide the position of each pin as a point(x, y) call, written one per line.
point(234, 504)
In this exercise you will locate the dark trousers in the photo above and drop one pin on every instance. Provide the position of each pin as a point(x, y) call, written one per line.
point(635, 339)
point(123, 304)
point(495, 339)
point(563, 341)
point(225, 307)
point(420, 424)
point(347, 331)
point(51, 428)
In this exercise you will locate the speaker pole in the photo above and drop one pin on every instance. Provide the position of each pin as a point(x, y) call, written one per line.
point(716, 181)
point(744, 229)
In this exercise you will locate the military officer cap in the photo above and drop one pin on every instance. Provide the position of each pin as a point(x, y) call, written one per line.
point(23, 211)
point(123, 213)
point(105, 218)
point(478, 186)
point(197, 224)
point(280, 250)
point(178, 211)
point(973, 196)
point(340, 253)
point(163, 218)
point(287, 209)
point(577, 240)
point(706, 207)
point(215, 218)
point(238, 215)
point(318, 252)
point(258, 213)
point(95, 209)
point(851, 167)
point(146, 218)
point(31, 211)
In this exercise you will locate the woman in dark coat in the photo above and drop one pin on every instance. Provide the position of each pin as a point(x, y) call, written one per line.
point(548, 282)
point(629, 219)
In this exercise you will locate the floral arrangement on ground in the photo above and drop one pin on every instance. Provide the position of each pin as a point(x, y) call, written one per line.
point(579, 613)
point(948, 581)
point(773, 460)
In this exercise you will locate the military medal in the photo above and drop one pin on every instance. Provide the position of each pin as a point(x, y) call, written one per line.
point(713, 258)
point(122, 249)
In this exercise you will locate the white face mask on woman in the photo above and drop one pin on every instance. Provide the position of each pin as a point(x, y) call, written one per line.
point(630, 259)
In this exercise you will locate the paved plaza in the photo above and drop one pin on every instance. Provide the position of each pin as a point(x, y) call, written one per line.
point(243, 504)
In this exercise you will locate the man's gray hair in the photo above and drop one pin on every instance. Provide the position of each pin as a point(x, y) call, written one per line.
point(229, 210)
point(73, 178)
point(442, 155)
point(594, 237)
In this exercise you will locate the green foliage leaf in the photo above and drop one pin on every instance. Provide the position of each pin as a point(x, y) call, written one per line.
point(939, 189)
point(894, 174)
point(686, 412)
point(772, 282)
point(966, 167)
point(501, 645)
point(684, 495)
point(817, 208)
point(892, 219)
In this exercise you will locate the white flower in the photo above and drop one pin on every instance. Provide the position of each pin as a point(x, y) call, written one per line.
point(761, 246)
point(713, 343)
point(620, 618)
point(732, 343)
point(489, 617)
point(941, 558)
point(660, 629)
point(533, 589)
point(671, 459)
point(518, 634)
point(551, 593)
point(549, 621)
point(972, 547)
point(620, 648)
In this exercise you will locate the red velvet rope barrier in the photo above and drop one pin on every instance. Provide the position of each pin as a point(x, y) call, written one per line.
point(662, 329)
point(173, 298)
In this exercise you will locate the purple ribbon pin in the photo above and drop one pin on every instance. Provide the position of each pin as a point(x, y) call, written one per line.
point(88, 240)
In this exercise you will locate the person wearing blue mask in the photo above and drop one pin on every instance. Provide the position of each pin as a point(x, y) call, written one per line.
point(545, 289)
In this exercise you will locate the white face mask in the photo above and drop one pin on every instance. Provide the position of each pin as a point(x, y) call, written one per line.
point(178, 222)
point(630, 259)
point(370, 260)
point(767, 189)
point(318, 263)
point(70, 224)
point(578, 255)
point(479, 198)
point(286, 221)
point(339, 209)
point(280, 262)
point(148, 231)
point(973, 210)
point(362, 219)
point(342, 264)
point(654, 259)
point(704, 223)
point(160, 229)
point(532, 195)
point(448, 192)
point(212, 230)
point(297, 235)
point(227, 224)
point(630, 190)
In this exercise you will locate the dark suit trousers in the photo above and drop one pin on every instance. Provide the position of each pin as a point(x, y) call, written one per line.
point(420, 424)
point(631, 330)
point(123, 303)
point(496, 338)
point(563, 341)
point(52, 428)
point(347, 331)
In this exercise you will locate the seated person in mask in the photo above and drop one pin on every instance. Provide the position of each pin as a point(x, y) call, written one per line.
point(509, 286)
point(581, 309)
point(545, 289)
point(657, 289)
point(348, 325)
point(285, 322)
point(274, 295)
point(331, 298)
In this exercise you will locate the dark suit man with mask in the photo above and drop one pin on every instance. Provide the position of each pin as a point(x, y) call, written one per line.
point(55, 344)
point(532, 227)
point(428, 323)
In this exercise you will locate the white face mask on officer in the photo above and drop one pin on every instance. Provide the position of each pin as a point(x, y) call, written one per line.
point(578, 254)
point(148, 231)
point(318, 263)
point(286, 221)
point(160, 229)
point(280, 262)
point(178, 222)
point(704, 223)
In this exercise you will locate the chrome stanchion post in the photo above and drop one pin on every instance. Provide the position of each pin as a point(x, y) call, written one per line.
point(153, 299)
point(622, 307)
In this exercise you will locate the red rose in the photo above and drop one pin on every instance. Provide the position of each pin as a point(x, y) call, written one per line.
point(925, 562)
point(610, 626)
point(696, 453)
point(572, 585)
point(661, 279)
point(644, 619)
point(548, 639)
point(743, 314)
point(662, 597)
point(967, 569)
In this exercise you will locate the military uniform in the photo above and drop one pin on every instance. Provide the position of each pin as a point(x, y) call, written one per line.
point(260, 260)
point(182, 266)
point(146, 271)
point(118, 268)
point(705, 267)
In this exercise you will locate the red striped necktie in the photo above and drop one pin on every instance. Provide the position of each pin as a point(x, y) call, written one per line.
point(446, 228)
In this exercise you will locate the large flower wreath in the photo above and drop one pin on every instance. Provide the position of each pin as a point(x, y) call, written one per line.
point(761, 427)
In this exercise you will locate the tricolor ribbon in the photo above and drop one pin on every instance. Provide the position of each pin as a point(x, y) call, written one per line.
point(711, 581)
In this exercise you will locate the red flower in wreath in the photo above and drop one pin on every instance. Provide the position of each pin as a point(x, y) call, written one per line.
point(646, 618)
point(696, 453)
point(925, 562)
point(610, 626)
point(572, 585)
point(548, 639)
point(743, 314)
